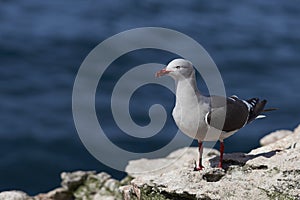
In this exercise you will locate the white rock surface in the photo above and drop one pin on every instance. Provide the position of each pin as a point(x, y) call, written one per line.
point(290, 141)
point(275, 136)
point(14, 195)
point(269, 172)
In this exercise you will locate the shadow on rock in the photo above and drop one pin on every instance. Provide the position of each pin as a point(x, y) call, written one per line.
point(241, 159)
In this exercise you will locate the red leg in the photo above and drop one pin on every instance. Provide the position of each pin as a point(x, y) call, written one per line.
point(200, 149)
point(221, 154)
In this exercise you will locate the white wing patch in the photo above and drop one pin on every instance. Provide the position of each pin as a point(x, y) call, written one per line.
point(249, 106)
point(233, 97)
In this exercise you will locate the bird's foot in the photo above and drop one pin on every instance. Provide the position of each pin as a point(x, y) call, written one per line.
point(199, 167)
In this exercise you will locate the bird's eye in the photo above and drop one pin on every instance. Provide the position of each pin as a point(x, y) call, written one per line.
point(177, 67)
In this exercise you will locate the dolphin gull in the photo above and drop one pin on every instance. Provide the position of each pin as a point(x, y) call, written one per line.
point(207, 118)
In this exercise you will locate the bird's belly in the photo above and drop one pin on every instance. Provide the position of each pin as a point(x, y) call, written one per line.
point(194, 126)
point(192, 122)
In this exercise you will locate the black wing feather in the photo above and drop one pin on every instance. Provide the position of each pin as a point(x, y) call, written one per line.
point(229, 118)
point(236, 114)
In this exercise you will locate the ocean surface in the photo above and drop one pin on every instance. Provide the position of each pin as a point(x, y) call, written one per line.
point(255, 45)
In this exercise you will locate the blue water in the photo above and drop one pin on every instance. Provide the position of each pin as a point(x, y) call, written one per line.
point(255, 44)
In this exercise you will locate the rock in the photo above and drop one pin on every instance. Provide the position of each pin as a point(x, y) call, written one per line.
point(297, 129)
point(128, 191)
point(177, 159)
point(85, 186)
point(101, 197)
point(290, 141)
point(72, 180)
point(269, 172)
point(56, 194)
point(275, 136)
point(14, 195)
point(98, 186)
point(213, 174)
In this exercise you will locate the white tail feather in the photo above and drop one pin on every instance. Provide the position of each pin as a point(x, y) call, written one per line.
point(260, 116)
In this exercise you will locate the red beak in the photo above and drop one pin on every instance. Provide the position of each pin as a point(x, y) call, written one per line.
point(162, 72)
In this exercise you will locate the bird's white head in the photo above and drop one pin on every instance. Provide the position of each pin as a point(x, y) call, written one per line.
point(177, 69)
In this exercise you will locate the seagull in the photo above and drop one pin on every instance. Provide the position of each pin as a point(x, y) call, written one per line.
point(207, 118)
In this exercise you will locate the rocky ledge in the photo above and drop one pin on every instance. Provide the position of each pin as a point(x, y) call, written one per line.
point(269, 172)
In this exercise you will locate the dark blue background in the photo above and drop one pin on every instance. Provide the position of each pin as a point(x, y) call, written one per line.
point(255, 44)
